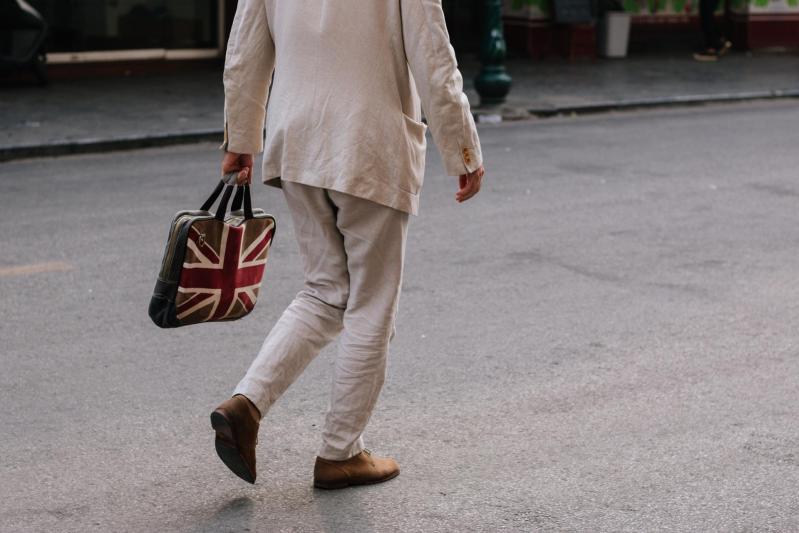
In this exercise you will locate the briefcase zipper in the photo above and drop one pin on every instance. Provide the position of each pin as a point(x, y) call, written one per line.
point(182, 236)
point(170, 247)
point(173, 241)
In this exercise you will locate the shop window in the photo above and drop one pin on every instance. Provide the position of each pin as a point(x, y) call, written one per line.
point(92, 25)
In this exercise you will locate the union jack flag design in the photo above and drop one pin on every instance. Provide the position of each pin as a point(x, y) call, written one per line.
point(222, 269)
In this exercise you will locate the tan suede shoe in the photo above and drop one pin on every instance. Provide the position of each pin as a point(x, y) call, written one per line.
point(362, 469)
point(236, 424)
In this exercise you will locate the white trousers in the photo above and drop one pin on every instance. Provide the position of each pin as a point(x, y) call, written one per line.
point(352, 252)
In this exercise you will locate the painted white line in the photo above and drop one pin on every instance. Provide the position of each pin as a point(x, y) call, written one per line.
point(35, 268)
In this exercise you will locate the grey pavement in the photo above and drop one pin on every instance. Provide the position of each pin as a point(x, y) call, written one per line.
point(605, 339)
point(646, 79)
point(97, 115)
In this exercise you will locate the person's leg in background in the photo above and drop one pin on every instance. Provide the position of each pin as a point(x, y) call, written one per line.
point(374, 240)
point(308, 324)
point(714, 44)
point(707, 20)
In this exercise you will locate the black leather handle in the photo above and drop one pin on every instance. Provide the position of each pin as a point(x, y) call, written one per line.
point(237, 199)
point(222, 208)
point(247, 203)
point(242, 197)
point(214, 195)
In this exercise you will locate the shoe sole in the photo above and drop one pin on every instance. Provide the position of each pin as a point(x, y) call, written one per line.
point(226, 448)
point(344, 485)
point(705, 59)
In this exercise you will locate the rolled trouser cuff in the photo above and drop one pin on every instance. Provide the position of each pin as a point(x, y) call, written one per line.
point(337, 454)
point(255, 393)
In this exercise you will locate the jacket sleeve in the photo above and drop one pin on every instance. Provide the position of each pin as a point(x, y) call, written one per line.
point(440, 85)
point(249, 62)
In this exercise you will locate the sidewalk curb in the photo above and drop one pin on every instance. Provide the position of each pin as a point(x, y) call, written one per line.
point(88, 146)
point(514, 113)
point(492, 114)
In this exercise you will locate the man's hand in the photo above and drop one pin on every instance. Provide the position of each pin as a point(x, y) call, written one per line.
point(241, 163)
point(470, 184)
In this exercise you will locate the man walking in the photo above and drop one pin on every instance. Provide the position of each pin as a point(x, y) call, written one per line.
point(345, 141)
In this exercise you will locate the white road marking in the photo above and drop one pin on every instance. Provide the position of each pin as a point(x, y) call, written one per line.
point(35, 268)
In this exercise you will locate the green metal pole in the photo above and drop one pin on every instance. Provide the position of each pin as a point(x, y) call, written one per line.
point(492, 83)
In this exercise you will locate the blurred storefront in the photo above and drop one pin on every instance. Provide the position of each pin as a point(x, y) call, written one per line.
point(90, 38)
point(94, 37)
point(764, 23)
point(530, 26)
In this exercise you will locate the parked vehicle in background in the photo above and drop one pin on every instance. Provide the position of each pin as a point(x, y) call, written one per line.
point(23, 31)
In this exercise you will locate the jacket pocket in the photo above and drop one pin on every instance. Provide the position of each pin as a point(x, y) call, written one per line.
point(417, 145)
point(415, 129)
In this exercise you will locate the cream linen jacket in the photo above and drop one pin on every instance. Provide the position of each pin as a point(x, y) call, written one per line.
point(344, 109)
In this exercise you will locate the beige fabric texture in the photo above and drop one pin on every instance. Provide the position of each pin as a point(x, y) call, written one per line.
point(353, 252)
point(344, 109)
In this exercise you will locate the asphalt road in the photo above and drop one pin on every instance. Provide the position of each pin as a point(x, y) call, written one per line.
point(606, 339)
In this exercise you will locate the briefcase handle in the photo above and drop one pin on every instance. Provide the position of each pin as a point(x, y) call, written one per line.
point(228, 183)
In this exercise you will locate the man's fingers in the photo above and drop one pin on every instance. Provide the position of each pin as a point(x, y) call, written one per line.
point(243, 175)
point(471, 188)
point(470, 184)
point(468, 193)
point(476, 182)
point(239, 163)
